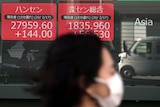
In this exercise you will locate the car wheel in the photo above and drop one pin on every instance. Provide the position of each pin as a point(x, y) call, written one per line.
point(127, 72)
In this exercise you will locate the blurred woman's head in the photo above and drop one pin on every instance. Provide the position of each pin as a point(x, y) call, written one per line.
point(71, 66)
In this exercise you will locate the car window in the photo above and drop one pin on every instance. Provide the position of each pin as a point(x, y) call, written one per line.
point(144, 48)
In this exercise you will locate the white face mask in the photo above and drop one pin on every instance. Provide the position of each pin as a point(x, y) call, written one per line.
point(115, 85)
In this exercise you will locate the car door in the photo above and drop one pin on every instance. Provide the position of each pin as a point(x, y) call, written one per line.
point(157, 58)
point(142, 58)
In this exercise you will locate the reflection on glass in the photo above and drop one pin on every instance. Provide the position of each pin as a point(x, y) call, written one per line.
point(143, 48)
point(133, 27)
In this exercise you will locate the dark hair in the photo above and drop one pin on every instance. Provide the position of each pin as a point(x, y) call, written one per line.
point(68, 59)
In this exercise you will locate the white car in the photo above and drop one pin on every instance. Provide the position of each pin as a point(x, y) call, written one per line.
point(143, 58)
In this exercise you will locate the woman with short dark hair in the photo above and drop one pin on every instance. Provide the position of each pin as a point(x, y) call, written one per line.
point(75, 74)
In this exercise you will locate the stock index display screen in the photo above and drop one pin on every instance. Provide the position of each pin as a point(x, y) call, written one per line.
point(28, 21)
point(130, 26)
point(85, 18)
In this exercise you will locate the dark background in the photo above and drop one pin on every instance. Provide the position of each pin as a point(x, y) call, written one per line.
point(38, 103)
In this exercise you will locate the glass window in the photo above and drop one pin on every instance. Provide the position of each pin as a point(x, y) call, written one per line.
point(144, 48)
point(28, 27)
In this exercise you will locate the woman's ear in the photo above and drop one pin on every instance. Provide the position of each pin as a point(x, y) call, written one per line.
point(99, 89)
